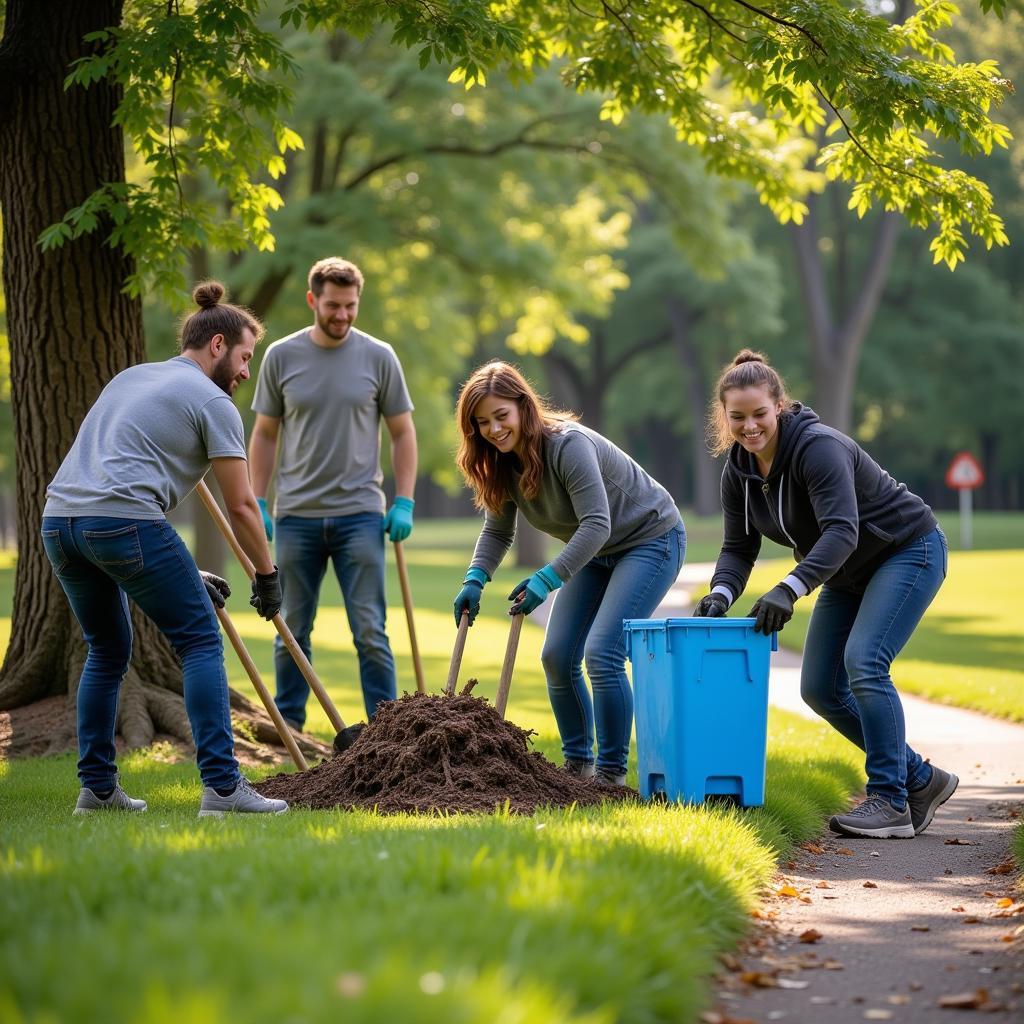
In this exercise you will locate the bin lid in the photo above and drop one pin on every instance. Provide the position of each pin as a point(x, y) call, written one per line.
point(689, 623)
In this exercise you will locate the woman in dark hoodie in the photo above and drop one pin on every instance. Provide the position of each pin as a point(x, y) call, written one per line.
point(873, 547)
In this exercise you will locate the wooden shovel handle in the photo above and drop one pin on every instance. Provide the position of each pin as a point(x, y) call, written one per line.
point(505, 681)
point(403, 579)
point(460, 646)
point(282, 627)
point(264, 694)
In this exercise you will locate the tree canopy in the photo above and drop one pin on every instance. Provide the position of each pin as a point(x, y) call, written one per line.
point(782, 95)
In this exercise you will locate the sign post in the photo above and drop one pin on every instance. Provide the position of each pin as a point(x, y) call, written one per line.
point(965, 475)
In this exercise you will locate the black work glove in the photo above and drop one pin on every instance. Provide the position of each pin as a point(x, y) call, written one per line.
point(713, 606)
point(266, 594)
point(217, 588)
point(773, 610)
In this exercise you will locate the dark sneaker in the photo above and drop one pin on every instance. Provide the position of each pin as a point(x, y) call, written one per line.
point(242, 800)
point(580, 769)
point(606, 777)
point(119, 800)
point(923, 803)
point(875, 818)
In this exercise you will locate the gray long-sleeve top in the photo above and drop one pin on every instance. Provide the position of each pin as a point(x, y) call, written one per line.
point(592, 496)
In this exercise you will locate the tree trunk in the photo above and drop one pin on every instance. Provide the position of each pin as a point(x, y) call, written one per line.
point(706, 472)
point(71, 329)
point(837, 332)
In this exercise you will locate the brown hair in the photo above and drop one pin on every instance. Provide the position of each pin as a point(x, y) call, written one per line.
point(216, 317)
point(748, 369)
point(486, 470)
point(335, 270)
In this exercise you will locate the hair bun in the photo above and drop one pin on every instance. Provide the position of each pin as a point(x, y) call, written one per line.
point(749, 356)
point(207, 294)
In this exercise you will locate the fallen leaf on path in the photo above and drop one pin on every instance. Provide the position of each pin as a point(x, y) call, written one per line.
point(915, 986)
point(791, 983)
point(812, 848)
point(1013, 911)
point(948, 871)
point(833, 965)
point(878, 1014)
point(965, 1000)
point(1004, 868)
point(920, 928)
point(961, 842)
point(989, 894)
point(759, 979)
point(870, 885)
point(844, 852)
point(811, 935)
point(729, 962)
point(786, 890)
point(971, 919)
point(823, 885)
point(957, 910)
point(898, 1000)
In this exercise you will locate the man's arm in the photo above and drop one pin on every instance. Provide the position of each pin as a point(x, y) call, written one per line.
point(403, 452)
point(263, 452)
point(233, 479)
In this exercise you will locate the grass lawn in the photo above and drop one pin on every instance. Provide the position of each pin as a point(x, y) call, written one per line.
point(598, 915)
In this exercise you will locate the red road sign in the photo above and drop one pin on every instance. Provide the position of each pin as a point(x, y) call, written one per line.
point(964, 473)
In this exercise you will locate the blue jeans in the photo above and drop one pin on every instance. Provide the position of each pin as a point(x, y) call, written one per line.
point(852, 640)
point(586, 625)
point(100, 563)
point(355, 545)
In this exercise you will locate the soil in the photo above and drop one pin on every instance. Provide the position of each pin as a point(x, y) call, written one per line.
point(430, 753)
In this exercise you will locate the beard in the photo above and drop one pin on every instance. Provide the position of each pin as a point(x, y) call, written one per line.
point(338, 333)
point(222, 375)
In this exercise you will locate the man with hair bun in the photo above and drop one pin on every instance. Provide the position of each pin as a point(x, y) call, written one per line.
point(873, 547)
point(320, 396)
point(152, 435)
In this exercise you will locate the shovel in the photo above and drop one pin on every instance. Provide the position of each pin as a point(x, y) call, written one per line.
point(505, 680)
point(345, 735)
point(264, 694)
point(403, 579)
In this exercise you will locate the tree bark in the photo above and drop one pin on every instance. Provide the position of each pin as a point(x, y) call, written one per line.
point(837, 329)
point(705, 471)
point(71, 329)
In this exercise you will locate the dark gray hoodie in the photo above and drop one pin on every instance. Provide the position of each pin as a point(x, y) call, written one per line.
point(825, 498)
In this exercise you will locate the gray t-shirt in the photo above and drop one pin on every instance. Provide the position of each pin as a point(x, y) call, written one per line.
point(330, 402)
point(592, 496)
point(146, 443)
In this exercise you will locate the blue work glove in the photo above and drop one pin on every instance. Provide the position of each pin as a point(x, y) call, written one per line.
point(268, 523)
point(468, 598)
point(533, 592)
point(398, 521)
point(773, 610)
point(217, 588)
point(713, 606)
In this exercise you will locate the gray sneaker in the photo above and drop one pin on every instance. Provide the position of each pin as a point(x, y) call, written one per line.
point(242, 800)
point(923, 803)
point(119, 800)
point(875, 818)
point(579, 769)
point(606, 777)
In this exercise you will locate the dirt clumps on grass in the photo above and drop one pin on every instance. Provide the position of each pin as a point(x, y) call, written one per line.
point(424, 752)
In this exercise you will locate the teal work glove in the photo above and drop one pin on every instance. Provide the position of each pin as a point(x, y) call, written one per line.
point(533, 592)
point(268, 523)
point(468, 598)
point(398, 521)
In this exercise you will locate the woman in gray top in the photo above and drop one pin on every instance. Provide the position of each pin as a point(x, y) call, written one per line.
point(624, 546)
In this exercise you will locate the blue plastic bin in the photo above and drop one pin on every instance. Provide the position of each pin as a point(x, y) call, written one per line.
point(701, 697)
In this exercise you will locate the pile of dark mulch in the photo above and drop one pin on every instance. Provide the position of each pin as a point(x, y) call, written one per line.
point(434, 753)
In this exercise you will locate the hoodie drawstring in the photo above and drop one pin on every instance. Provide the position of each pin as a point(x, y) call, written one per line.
point(782, 524)
point(746, 506)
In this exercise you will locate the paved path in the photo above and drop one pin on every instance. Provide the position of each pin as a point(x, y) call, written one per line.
point(931, 924)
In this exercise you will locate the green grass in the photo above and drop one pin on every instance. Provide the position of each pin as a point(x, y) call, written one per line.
point(597, 915)
point(607, 914)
